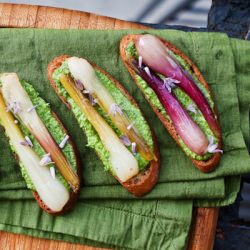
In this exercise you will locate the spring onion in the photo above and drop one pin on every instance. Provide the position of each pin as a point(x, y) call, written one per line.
point(14, 93)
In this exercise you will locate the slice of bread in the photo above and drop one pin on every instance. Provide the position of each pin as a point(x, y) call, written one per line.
point(204, 166)
point(142, 183)
point(73, 195)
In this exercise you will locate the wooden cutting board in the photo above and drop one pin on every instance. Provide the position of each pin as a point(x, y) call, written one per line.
point(26, 16)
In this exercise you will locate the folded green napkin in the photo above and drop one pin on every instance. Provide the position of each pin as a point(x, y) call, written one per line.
point(241, 50)
point(28, 54)
point(133, 224)
point(232, 187)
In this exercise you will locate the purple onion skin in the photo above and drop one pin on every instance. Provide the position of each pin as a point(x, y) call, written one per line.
point(160, 61)
point(191, 89)
point(186, 128)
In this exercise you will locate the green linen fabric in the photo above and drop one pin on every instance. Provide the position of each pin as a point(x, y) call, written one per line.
point(94, 176)
point(27, 53)
point(133, 225)
point(156, 221)
point(232, 187)
point(213, 188)
point(241, 50)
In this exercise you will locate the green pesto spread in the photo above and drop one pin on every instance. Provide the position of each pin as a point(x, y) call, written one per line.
point(93, 139)
point(55, 129)
point(182, 97)
point(131, 50)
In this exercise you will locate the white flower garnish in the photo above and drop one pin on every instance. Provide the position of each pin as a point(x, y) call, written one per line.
point(192, 108)
point(32, 108)
point(133, 147)
point(147, 70)
point(212, 147)
point(170, 83)
point(79, 85)
point(14, 107)
point(27, 142)
point(114, 109)
point(130, 126)
point(64, 141)
point(125, 140)
point(46, 160)
point(85, 91)
point(140, 61)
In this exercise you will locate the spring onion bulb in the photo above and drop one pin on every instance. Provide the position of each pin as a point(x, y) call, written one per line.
point(84, 73)
point(123, 163)
point(154, 55)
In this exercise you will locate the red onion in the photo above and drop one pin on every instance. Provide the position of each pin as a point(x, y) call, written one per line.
point(154, 54)
point(186, 128)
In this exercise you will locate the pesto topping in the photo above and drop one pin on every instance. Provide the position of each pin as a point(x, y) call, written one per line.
point(182, 97)
point(131, 50)
point(93, 138)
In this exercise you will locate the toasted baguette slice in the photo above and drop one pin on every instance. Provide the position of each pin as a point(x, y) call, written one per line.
point(142, 183)
point(73, 195)
point(204, 166)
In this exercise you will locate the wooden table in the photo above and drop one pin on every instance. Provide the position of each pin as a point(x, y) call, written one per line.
point(26, 16)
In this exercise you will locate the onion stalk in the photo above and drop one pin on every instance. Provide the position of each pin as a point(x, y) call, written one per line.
point(13, 92)
point(84, 74)
point(123, 163)
point(186, 128)
point(52, 192)
point(155, 55)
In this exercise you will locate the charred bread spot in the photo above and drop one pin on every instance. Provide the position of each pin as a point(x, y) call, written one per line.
point(204, 166)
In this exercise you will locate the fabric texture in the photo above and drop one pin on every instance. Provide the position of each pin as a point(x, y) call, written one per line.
point(101, 47)
point(137, 225)
point(109, 215)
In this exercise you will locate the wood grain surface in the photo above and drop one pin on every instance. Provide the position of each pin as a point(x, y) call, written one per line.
point(202, 232)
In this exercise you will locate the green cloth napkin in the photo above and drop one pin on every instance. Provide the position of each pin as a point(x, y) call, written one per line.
point(241, 50)
point(134, 225)
point(232, 187)
point(28, 54)
point(130, 224)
